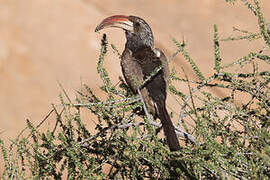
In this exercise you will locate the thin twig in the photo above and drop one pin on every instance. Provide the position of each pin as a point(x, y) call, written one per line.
point(46, 117)
point(144, 105)
point(174, 55)
point(183, 134)
point(58, 117)
point(124, 126)
point(105, 103)
point(193, 91)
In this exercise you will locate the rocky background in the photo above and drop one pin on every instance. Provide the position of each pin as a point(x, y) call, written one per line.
point(43, 42)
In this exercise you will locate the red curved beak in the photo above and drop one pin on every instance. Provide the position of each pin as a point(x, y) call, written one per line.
point(118, 21)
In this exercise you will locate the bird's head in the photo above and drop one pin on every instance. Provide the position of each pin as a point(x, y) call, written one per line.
point(138, 32)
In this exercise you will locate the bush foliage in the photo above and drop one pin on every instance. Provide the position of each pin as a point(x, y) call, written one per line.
point(220, 139)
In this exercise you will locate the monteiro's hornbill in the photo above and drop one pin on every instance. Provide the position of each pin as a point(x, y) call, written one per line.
point(139, 60)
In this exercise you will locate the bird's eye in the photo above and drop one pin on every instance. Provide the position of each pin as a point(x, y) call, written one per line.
point(137, 24)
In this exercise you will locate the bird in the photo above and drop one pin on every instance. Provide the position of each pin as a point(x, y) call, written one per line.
point(138, 62)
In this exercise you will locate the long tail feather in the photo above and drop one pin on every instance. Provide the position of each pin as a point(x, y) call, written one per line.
point(168, 127)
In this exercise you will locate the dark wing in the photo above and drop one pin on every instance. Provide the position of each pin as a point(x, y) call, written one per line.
point(138, 65)
point(134, 76)
point(150, 60)
point(164, 62)
point(132, 70)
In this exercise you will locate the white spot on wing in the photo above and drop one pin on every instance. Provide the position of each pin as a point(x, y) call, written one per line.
point(157, 52)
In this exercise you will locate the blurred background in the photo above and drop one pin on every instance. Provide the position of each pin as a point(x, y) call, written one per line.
point(43, 42)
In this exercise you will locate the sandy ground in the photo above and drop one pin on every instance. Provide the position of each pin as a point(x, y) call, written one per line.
point(42, 42)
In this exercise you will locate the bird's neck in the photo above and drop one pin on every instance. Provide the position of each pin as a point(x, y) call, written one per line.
point(139, 41)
